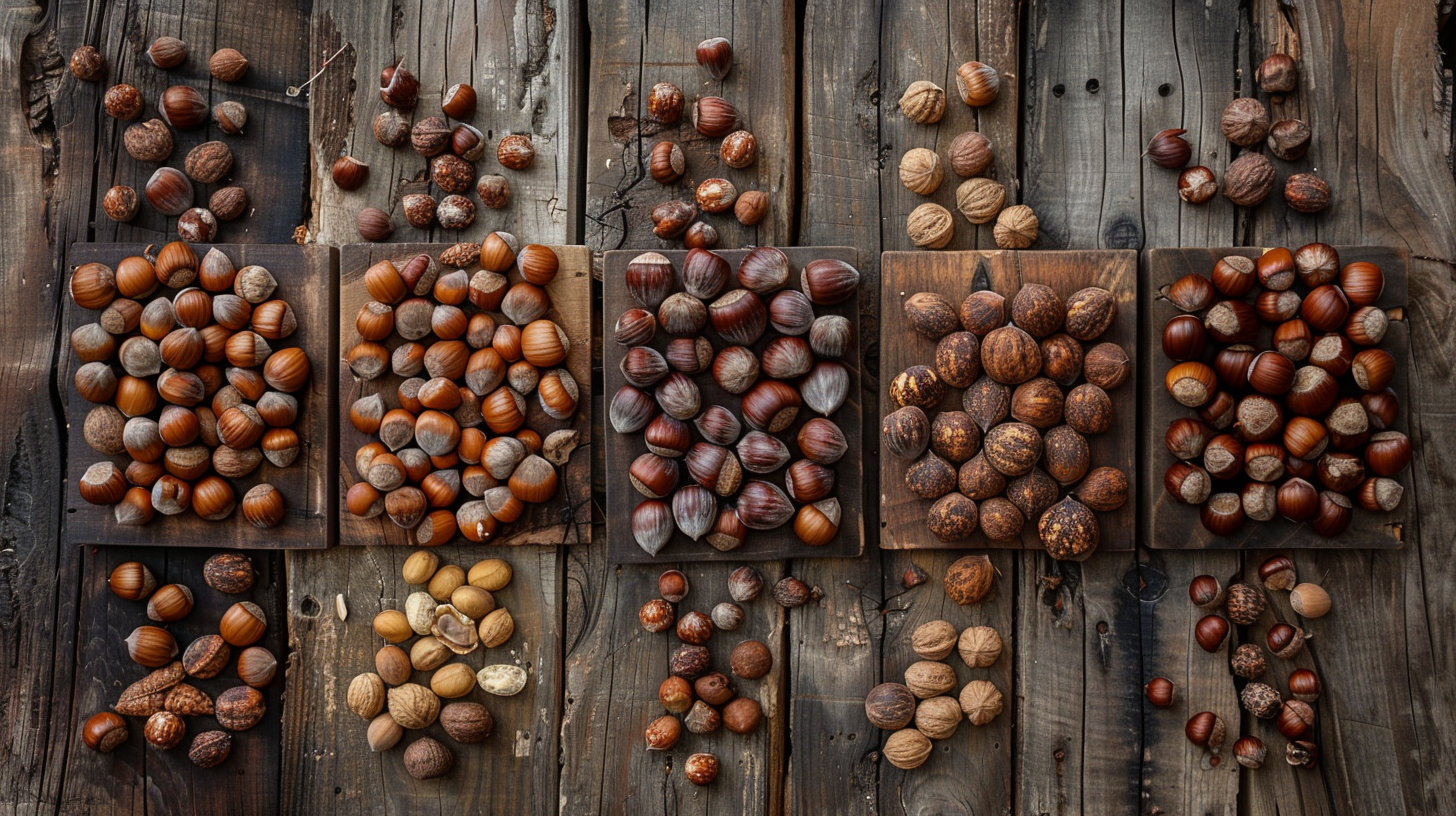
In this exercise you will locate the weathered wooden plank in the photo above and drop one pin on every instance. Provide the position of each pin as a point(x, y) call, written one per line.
point(1377, 110)
point(563, 520)
point(515, 771)
point(305, 278)
point(1100, 82)
point(521, 59)
point(623, 449)
point(835, 654)
point(637, 45)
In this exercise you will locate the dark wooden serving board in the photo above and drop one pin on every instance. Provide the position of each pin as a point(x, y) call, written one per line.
point(563, 520)
point(955, 275)
point(622, 449)
point(305, 276)
point(1175, 526)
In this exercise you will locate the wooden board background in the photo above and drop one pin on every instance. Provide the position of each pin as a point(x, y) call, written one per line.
point(1175, 526)
point(305, 277)
point(1084, 86)
point(563, 520)
point(955, 275)
point(623, 449)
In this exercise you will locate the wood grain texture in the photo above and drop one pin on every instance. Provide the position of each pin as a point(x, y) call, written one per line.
point(1174, 525)
point(305, 278)
point(521, 57)
point(636, 45)
point(563, 520)
point(954, 276)
point(623, 449)
point(1099, 82)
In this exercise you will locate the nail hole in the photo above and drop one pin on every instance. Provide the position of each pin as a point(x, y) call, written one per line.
point(338, 791)
point(310, 607)
point(1093, 86)
point(70, 510)
point(1058, 89)
point(1165, 89)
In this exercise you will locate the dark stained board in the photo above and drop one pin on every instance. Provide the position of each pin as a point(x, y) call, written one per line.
point(305, 276)
point(622, 449)
point(564, 519)
point(136, 773)
point(1173, 525)
point(955, 275)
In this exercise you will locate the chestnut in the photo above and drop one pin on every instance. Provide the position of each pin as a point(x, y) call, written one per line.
point(1388, 453)
point(1184, 338)
point(1231, 364)
point(1211, 631)
point(1333, 517)
point(1304, 685)
point(1223, 514)
point(1191, 383)
point(1362, 283)
point(1234, 276)
point(1373, 369)
point(1159, 692)
point(1325, 308)
point(1234, 321)
point(1206, 592)
point(1277, 306)
point(1285, 641)
point(1187, 483)
point(1271, 373)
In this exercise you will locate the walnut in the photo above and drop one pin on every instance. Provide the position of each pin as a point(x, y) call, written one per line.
point(921, 171)
point(923, 102)
point(933, 640)
point(980, 200)
point(228, 203)
point(930, 226)
point(907, 749)
point(889, 706)
point(938, 717)
point(928, 678)
point(208, 162)
point(1015, 227)
point(412, 706)
point(1245, 122)
point(970, 154)
point(1248, 180)
point(149, 141)
point(240, 708)
point(981, 701)
point(466, 722)
point(426, 759)
point(1306, 193)
point(210, 748)
point(979, 646)
point(969, 579)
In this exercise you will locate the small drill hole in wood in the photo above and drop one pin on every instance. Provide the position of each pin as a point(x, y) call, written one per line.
point(1165, 89)
point(1093, 86)
point(1059, 89)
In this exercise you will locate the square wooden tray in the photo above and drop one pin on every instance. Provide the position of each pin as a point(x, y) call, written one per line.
point(1175, 526)
point(622, 449)
point(566, 519)
point(955, 275)
point(305, 276)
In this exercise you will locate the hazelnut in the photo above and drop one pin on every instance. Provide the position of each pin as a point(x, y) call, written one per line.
point(978, 83)
point(167, 52)
point(738, 149)
point(1068, 530)
point(970, 154)
point(667, 163)
point(1197, 184)
point(931, 314)
point(240, 708)
point(466, 723)
point(87, 64)
point(426, 758)
point(515, 152)
point(750, 660)
point(1248, 180)
point(701, 769)
point(227, 64)
point(665, 103)
point(1010, 355)
point(231, 117)
point(1277, 74)
point(890, 706)
point(1306, 193)
point(1289, 139)
point(164, 730)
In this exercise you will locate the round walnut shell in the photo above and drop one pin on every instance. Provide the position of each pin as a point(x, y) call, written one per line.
point(1010, 355)
point(928, 678)
point(933, 640)
point(907, 749)
point(938, 717)
point(979, 646)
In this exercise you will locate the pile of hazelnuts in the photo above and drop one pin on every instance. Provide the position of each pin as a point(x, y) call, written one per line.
point(715, 118)
point(206, 393)
point(1005, 450)
point(169, 191)
point(1245, 123)
point(716, 322)
point(465, 351)
point(167, 694)
point(452, 151)
point(1310, 406)
point(1244, 603)
point(707, 699)
point(981, 200)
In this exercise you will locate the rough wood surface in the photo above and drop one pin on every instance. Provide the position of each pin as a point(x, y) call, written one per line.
point(623, 449)
point(306, 280)
point(1174, 525)
point(955, 275)
point(563, 520)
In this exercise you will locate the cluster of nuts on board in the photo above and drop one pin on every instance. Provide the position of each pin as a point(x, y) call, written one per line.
point(162, 696)
point(925, 698)
point(1015, 415)
point(799, 366)
point(707, 699)
point(1249, 178)
point(455, 615)
point(169, 191)
point(466, 372)
point(979, 199)
point(451, 150)
point(1312, 407)
point(1245, 604)
point(174, 348)
point(715, 118)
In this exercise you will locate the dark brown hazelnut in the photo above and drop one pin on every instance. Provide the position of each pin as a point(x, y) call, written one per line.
point(987, 401)
point(1010, 355)
point(931, 314)
point(1069, 530)
point(1037, 402)
point(1066, 455)
point(1090, 312)
point(1289, 139)
point(958, 359)
point(979, 480)
point(953, 517)
point(1248, 180)
point(983, 311)
point(919, 386)
point(1197, 184)
point(1000, 519)
point(970, 154)
point(1306, 193)
point(1245, 122)
point(1033, 493)
point(1061, 359)
point(1104, 489)
point(1038, 310)
point(1277, 74)
point(1088, 409)
point(1106, 366)
point(930, 477)
point(954, 436)
point(751, 659)
point(1013, 448)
